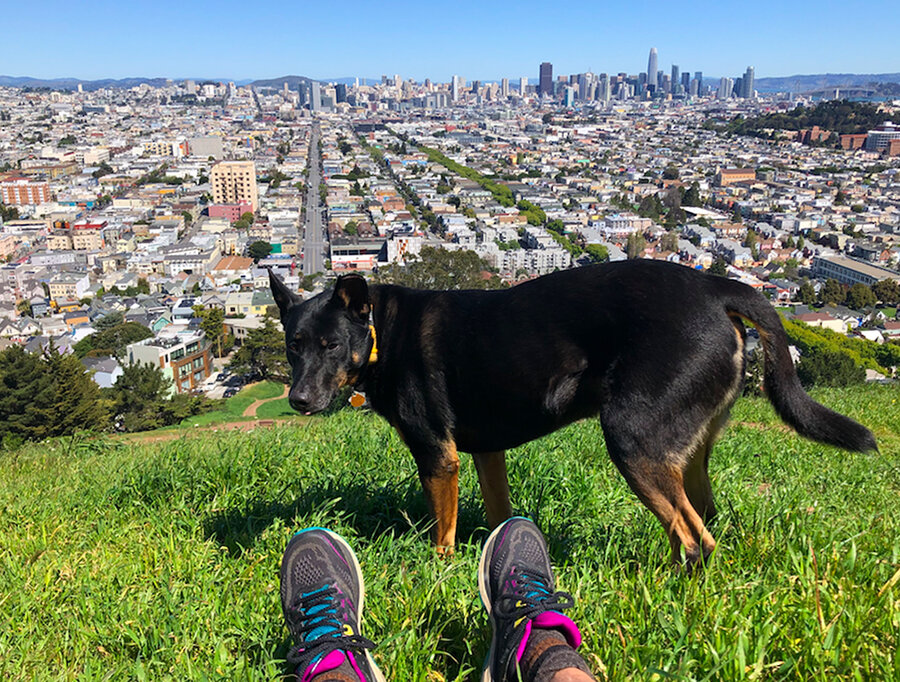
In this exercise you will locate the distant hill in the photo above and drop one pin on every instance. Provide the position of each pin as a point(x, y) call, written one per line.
point(292, 81)
point(809, 83)
point(72, 83)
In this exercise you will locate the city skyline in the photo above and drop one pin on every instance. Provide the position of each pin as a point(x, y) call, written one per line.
point(401, 37)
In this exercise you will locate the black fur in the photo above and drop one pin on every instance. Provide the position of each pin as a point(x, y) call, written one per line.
point(654, 349)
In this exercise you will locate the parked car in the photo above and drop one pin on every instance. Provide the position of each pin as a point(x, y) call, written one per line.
point(230, 392)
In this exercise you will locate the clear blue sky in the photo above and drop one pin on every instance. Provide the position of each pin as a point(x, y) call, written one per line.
point(485, 40)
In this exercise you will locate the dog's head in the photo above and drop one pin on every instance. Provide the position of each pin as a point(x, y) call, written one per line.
point(328, 339)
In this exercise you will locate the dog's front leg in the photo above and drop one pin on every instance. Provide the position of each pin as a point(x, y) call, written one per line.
point(439, 473)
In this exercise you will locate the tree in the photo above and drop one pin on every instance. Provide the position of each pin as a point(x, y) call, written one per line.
point(248, 216)
point(597, 253)
point(77, 404)
point(670, 172)
point(351, 227)
point(669, 242)
point(109, 321)
point(807, 293)
point(887, 291)
point(188, 218)
point(860, 296)
point(691, 196)
point(719, 267)
point(138, 396)
point(832, 293)
point(26, 399)
point(212, 323)
point(736, 216)
point(263, 353)
point(635, 245)
point(442, 269)
point(112, 341)
point(8, 213)
point(820, 367)
point(259, 250)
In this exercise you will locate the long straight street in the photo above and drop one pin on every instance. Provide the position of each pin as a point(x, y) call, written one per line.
point(313, 237)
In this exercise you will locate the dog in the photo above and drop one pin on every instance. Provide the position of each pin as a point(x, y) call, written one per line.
point(655, 349)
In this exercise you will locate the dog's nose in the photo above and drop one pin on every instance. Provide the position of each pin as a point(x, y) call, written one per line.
point(299, 400)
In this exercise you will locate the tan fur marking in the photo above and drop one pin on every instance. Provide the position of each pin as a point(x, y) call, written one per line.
point(355, 357)
point(344, 296)
point(442, 496)
point(494, 482)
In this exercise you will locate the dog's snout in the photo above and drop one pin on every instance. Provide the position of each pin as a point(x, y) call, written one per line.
point(299, 400)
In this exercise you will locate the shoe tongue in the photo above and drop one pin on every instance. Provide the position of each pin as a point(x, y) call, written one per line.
point(332, 660)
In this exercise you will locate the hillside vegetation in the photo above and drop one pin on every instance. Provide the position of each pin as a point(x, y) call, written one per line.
point(839, 116)
point(160, 561)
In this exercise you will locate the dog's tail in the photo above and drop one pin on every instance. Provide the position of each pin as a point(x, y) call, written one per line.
point(782, 385)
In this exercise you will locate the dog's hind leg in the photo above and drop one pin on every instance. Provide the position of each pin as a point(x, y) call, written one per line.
point(659, 483)
point(696, 478)
point(492, 478)
point(439, 474)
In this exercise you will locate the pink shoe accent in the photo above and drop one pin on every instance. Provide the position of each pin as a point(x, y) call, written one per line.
point(558, 621)
point(333, 660)
point(521, 650)
point(362, 678)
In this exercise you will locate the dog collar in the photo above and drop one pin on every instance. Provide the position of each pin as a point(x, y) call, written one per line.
point(373, 354)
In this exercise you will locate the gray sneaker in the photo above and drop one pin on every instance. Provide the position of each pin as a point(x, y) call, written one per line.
point(517, 588)
point(322, 596)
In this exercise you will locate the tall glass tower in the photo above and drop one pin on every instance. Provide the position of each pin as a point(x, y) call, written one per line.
point(652, 69)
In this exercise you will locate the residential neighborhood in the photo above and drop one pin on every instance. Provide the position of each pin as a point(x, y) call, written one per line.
point(148, 202)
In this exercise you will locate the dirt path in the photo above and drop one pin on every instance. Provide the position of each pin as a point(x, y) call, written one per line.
point(252, 407)
point(175, 434)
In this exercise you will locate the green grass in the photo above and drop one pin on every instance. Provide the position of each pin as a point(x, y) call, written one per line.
point(233, 407)
point(121, 560)
point(275, 409)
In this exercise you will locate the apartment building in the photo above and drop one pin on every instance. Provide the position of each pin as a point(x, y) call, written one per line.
point(184, 358)
point(234, 182)
point(17, 191)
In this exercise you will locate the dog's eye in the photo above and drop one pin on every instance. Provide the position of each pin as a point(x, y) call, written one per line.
point(294, 345)
point(334, 345)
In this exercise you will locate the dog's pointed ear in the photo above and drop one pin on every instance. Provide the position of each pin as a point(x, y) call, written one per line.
point(284, 297)
point(352, 292)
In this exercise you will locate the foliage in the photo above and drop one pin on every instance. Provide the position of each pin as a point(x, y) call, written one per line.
point(832, 292)
point(807, 293)
point(259, 250)
point(501, 193)
point(860, 296)
point(864, 353)
point(838, 116)
point(8, 213)
point(719, 267)
point(46, 395)
point(887, 291)
point(441, 269)
point(635, 245)
point(534, 214)
point(211, 322)
point(692, 196)
point(263, 354)
point(819, 367)
point(112, 340)
point(597, 252)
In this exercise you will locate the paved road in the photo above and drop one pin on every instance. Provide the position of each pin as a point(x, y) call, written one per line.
point(314, 239)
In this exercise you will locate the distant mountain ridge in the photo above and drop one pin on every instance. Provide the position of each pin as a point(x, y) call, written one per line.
point(823, 81)
point(797, 83)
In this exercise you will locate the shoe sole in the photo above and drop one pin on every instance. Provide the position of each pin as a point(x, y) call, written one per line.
point(338, 540)
point(484, 592)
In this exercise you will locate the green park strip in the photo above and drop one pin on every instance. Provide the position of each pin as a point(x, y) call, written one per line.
point(501, 192)
point(159, 561)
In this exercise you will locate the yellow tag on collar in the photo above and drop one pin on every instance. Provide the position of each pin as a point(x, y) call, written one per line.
point(373, 355)
point(357, 399)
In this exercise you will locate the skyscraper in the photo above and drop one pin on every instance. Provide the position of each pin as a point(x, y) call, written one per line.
point(504, 88)
point(698, 75)
point(315, 97)
point(652, 69)
point(686, 81)
point(454, 89)
point(523, 86)
point(747, 83)
point(676, 76)
point(545, 84)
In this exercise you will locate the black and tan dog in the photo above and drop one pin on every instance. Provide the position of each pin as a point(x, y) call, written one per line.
point(655, 350)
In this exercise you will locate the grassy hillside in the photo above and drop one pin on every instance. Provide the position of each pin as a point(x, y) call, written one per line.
point(160, 562)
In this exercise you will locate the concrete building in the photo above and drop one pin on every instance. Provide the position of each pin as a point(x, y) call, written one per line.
point(183, 357)
point(19, 191)
point(233, 182)
point(850, 272)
